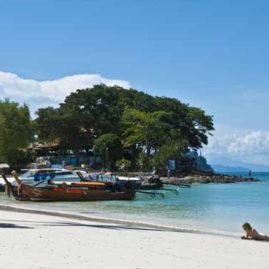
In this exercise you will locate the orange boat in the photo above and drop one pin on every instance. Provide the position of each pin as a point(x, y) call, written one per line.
point(78, 191)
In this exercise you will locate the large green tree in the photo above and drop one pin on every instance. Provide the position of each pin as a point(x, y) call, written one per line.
point(145, 125)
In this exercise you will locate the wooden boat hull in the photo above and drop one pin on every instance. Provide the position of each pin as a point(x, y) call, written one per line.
point(73, 194)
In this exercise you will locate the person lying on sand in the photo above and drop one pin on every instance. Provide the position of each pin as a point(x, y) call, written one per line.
point(252, 234)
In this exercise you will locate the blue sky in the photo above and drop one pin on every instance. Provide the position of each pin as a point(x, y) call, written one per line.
point(212, 54)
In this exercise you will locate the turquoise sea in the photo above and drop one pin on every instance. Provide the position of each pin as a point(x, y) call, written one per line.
point(205, 207)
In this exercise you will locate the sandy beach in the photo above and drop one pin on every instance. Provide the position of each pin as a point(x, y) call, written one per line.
point(33, 241)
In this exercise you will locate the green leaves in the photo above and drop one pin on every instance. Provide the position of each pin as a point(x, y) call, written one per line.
point(47, 125)
point(145, 129)
point(15, 130)
point(123, 165)
point(132, 124)
point(108, 143)
point(173, 149)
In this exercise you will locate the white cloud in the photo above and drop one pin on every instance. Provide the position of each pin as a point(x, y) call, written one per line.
point(234, 144)
point(50, 92)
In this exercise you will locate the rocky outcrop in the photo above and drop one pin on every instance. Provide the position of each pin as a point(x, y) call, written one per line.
point(205, 179)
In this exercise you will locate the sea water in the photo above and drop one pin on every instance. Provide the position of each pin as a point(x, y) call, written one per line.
point(203, 207)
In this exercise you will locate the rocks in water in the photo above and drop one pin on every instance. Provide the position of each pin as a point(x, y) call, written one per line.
point(205, 179)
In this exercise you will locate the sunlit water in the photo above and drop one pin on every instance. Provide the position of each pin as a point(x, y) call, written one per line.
point(217, 207)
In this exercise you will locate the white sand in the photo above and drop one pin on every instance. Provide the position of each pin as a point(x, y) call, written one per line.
point(56, 242)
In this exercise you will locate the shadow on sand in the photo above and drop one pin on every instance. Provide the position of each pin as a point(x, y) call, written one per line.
point(75, 224)
point(11, 225)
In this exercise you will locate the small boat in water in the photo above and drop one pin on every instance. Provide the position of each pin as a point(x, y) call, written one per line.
point(76, 191)
point(33, 176)
point(152, 182)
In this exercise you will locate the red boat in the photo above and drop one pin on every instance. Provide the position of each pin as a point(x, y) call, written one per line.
point(78, 191)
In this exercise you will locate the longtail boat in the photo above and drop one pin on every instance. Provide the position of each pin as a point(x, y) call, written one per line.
point(78, 191)
point(151, 183)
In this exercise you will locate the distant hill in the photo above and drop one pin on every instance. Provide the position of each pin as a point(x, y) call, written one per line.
point(221, 163)
point(218, 168)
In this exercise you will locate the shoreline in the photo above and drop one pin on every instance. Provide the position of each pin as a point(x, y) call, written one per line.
point(107, 220)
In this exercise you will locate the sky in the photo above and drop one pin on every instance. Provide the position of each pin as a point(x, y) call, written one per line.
point(211, 54)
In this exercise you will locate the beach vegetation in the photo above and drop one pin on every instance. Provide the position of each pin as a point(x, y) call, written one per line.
point(109, 148)
point(123, 165)
point(16, 132)
point(129, 124)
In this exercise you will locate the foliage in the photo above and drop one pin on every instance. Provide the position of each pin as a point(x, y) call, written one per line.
point(15, 131)
point(143, 161)
point(123, 165)
point(144, 129)
point(109, 147)
point(170, 150)
point(46, 124)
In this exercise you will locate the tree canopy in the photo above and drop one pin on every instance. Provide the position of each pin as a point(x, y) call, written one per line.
point(131, 124)
point(15, 131)
point(109, 147)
